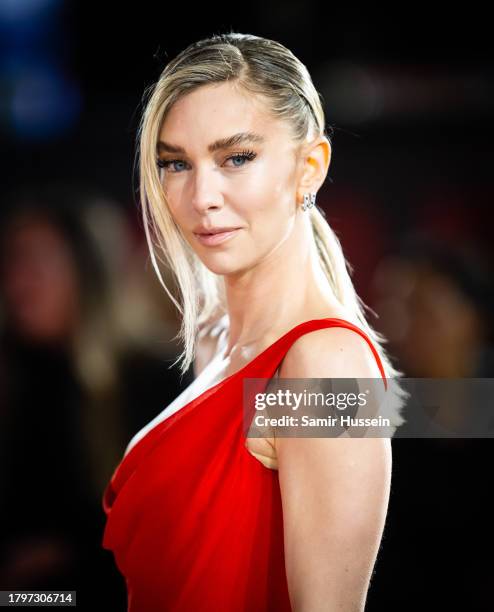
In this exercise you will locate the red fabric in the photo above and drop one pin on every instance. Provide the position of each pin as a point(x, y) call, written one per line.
point(193, 519)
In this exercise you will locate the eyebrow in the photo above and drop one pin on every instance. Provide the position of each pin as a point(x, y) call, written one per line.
point(222, 143)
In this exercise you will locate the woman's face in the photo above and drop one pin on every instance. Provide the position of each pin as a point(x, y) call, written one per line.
point(250, 185)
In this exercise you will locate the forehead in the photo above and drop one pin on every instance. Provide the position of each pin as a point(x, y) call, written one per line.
point(218, 111)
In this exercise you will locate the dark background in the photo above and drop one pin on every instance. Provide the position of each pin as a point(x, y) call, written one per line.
point(409, 95)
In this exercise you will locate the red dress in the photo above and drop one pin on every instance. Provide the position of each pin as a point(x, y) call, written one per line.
point(193, 519)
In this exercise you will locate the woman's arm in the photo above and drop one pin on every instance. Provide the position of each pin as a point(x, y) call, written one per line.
point(335, 491)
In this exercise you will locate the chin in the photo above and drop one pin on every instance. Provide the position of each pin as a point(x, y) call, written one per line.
point(223, 266)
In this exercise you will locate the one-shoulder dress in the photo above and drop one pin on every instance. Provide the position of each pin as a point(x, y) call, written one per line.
point(193, 519)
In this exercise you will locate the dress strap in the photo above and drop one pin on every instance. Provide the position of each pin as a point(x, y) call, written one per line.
point(270, 360)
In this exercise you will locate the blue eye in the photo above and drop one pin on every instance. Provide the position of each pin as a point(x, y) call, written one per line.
point(165, 164)
point(244, 156)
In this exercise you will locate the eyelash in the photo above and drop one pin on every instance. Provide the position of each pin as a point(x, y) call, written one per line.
point(247, 155)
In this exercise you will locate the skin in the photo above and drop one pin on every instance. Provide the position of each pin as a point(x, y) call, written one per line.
point(272, 253)
point(334, 490)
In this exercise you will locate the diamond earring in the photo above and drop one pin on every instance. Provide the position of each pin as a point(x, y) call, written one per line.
point(309, 201)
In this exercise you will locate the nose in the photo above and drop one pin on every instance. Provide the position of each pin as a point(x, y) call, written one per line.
point(206, 194)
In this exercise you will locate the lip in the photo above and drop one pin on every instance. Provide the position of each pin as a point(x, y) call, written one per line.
point(216, 238)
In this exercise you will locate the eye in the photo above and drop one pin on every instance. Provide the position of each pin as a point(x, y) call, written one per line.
point(161, 163)
point(244, 156)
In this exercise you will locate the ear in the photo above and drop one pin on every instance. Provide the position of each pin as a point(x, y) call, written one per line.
point(316, 157)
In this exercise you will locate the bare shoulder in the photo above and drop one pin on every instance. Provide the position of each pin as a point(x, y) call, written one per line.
point(334, 352)
point(349, 472)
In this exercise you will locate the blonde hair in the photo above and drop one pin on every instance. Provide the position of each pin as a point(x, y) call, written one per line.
point(261, 67)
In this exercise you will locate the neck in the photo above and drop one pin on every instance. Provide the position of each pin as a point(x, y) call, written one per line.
point(285, 288)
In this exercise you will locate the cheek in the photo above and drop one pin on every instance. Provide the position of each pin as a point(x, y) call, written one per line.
point(264, 192)
point(181, 214)
point(174, 201)
point(261, 195)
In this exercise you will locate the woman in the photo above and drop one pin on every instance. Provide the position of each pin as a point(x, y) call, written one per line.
point(232, 152)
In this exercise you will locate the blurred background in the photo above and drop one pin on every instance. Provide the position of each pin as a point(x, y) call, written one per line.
point(88, 335)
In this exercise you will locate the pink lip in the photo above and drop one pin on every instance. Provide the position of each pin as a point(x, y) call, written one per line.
point(214, 239)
